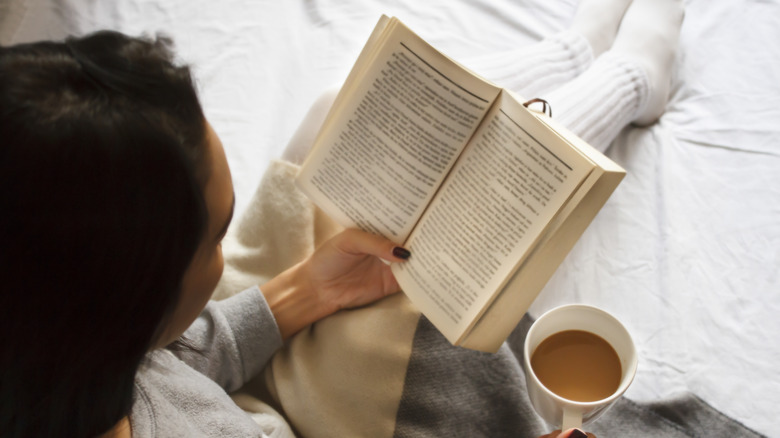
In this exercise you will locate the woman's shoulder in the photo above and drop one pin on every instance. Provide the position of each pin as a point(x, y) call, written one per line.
point(172, 399)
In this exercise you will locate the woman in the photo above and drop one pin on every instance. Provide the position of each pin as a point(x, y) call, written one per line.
point(116, 195)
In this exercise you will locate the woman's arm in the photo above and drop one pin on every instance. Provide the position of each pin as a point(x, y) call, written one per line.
point(233, 339)
point(346, 271)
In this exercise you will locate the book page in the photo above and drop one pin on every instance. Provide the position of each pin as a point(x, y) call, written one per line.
point(397, 132)
point(506, 188)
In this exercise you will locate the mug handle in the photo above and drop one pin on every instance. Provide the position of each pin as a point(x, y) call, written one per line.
point(572, 418)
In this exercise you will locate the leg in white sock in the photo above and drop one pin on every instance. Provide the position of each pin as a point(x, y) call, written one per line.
point(301, 142)
point(649, 36)
point(533, 70)
point(630, 82)
point(598, 22)
point(537, 69)
point(598, 104)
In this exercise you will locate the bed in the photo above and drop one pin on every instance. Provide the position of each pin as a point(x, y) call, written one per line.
point(687, 250)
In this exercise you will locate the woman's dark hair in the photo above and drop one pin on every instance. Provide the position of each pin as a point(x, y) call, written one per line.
point(102, 146)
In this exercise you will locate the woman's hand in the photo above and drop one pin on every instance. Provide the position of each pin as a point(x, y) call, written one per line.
point(570, 433)
point(344, 272)
point(347, 271)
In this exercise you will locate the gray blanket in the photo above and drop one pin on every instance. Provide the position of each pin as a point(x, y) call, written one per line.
point(453, 392)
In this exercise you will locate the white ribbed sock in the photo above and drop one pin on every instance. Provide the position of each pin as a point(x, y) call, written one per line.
point(598, 104)
point(649, 35)
point(536, 69)
point(598, 22)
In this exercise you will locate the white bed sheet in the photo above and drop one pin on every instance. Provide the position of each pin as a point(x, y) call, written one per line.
point(686, 252)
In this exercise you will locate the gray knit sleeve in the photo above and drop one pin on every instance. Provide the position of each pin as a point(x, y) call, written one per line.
point(234, 339)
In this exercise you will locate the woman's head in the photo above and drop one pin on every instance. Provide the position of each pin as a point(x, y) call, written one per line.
point(104, 157)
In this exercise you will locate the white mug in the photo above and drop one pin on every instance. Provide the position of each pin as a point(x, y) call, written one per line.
point(559, 411)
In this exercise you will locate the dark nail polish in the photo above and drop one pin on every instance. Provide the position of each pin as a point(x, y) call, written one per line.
point(401, 253)
point(576, 433)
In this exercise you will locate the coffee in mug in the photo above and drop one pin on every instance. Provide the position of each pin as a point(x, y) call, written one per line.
point(587, 362)
point(577, 365)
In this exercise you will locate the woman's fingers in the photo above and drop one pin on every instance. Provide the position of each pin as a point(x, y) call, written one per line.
point(569, 433)
point(358, 242)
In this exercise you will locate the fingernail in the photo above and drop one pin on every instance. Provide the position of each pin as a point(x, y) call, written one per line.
point(576, 433)
point(401, 253)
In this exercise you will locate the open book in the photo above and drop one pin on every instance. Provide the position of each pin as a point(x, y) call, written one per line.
point(488, 195)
